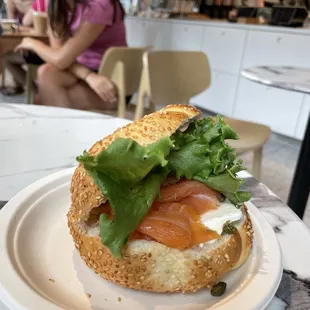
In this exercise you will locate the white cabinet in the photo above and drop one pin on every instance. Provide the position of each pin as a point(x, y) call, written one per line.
point(224, 48)
point(137, 31)
point(269, 48)
point(186, 37)
point(274, 107)
point(230, 48)
point(160, 32)
point(219, 98)
point(303, 118)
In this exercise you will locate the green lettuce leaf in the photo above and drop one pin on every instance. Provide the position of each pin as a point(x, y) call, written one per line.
point(126, 161)
point(130, 175)
point(130, 206)
point(201, 153)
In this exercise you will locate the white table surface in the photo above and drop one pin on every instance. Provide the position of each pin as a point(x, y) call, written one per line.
point(289, 78)
point(37, 141)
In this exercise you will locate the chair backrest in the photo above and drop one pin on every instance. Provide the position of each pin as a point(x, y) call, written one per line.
point(131, 58)
point(176, 76)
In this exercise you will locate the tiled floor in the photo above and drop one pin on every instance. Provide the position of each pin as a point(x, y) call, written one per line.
point(280, 156)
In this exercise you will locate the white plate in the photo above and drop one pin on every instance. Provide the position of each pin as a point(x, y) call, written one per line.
point(40, 268)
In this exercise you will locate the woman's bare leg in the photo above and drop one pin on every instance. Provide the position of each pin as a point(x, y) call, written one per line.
point(85, 98)
point(53, 86)
point(61, 88)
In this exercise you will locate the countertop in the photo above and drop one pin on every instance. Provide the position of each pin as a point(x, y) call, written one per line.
point(226, 24)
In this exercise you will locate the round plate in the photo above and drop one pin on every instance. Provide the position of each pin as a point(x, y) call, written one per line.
point(42, 270)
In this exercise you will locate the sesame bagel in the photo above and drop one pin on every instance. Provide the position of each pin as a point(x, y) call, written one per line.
point(149, 265)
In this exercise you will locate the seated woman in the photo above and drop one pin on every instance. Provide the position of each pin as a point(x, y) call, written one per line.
point(80, 33)
point(21, 10)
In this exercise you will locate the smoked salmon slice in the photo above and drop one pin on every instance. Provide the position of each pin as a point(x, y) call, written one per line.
point(181, 209)
point(173, 230)
point(184, 189)
point(174, 219)
point(201, 203)
point(199, 232)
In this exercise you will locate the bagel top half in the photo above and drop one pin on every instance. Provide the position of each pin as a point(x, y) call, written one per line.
point(149, 265)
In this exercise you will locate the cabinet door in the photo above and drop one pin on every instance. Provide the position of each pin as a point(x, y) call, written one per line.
point(138, 32)
point(303, 118)
point(161, 31)
point(186, 37)
point(143, 32)
point(269, 48)
point(274, 107)
point(224, 48)
point(219, 97)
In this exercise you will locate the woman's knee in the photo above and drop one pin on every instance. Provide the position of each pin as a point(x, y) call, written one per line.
point(47, 75)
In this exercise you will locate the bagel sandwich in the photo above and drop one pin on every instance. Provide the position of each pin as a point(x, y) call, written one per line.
point(157, 205)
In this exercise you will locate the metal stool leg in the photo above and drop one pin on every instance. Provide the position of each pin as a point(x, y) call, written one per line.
point(301, 182)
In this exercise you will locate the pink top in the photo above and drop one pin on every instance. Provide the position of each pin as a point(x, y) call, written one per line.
point(35, 6)
point(100, 12)
point(97, 12)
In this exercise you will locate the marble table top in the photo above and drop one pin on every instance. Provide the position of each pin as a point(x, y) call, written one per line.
point(289, 78)
point(36, 141)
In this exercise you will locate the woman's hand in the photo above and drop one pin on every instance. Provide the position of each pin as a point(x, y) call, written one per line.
point(102, 86)
point(26, 44)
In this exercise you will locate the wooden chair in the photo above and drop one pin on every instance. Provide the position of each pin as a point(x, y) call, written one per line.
point(123, 65)
point(174, 77)
point(30, 78)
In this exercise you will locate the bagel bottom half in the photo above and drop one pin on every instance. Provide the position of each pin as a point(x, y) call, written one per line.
point(151, 266)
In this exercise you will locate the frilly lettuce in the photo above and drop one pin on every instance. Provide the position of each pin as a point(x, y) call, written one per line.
point(130, 175)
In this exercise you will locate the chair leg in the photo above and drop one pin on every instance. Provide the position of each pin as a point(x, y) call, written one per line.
point(3, 74)
point(140, 105)
point(152, 106)
point(29, 85)
point(257, 162)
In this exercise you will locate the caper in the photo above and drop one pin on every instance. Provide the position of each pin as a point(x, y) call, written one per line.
point(218, 289)
point(229, 229)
